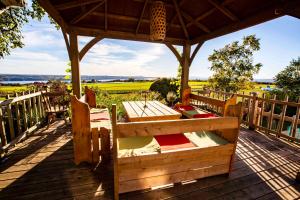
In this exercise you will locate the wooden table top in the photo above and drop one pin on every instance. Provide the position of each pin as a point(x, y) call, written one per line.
point(153, 111)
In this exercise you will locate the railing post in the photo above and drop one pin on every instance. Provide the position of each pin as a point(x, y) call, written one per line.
point(253, 112)
point(2, 129)
point(18, 116)
point(282, 116)
point(10, 121)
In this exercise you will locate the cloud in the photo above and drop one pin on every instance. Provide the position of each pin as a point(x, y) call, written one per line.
point(115, 59)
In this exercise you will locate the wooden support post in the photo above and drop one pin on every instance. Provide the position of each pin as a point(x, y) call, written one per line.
point(115, 152)
point(185, 68)
point(76, 82)
point(2, 129)
point(253, 112)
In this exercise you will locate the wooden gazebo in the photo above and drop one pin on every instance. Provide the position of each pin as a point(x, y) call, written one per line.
point(187, 23)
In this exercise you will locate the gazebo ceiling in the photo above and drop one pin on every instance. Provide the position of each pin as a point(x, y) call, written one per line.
point(188, 21)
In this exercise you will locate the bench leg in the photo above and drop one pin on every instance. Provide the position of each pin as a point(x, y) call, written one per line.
point(105, 144)
point(298, 176)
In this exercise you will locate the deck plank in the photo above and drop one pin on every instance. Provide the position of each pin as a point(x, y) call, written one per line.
point(42, 167)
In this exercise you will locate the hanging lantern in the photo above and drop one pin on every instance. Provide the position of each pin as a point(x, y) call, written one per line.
point(158, 21)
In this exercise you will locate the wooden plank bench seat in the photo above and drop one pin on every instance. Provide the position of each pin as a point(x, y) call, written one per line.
point(140, 163)
point(91, 129)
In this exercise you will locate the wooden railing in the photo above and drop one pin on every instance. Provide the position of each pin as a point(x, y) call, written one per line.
point(265, 114)
point(19, 116)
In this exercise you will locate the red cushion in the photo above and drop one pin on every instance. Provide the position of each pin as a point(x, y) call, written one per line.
point(185, 108)
point(99, 116)
point(205, 115)
point(173, 141)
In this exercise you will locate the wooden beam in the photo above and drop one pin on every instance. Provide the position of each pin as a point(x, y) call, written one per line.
point(209, 12)
point(180, 19)
point(128, 18)
point(122, 35)
point(257, 18)
point(76, 82)
point(185, 68)
point(150, 2)
point(48, 7)
point(224, 10)
point(89, 45)
point(199, 45)
point(141, 17)
point(105, 16)
point(84, 14)
point(175, 52)
point(174, 17)
point(73, 4)
point(67, 42)
point(198, 24)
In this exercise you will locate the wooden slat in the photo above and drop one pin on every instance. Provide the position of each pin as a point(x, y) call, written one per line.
point(105, 144)
point(10, 122)
point(2, 129)
point(282, 116)
point(126, 186)
point(208, 100)
point(270, 119)
point(35, 109)
point(131, 173)
point(224, 10)
point(73, 4)
point(95, 143)
point(175, 126)
point(24, 110)
point(167, 157)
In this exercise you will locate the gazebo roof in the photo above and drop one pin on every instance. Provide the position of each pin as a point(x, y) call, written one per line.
point(191, 21)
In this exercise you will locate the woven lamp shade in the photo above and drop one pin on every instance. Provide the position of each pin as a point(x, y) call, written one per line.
point(158, 21)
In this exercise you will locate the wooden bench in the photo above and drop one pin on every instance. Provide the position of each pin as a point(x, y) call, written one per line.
point(220, 107)
point(91, 129)
point(136, 172)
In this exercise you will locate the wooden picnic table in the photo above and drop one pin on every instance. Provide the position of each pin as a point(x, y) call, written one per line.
point(154, 110)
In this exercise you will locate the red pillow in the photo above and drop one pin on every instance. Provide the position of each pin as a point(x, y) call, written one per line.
point(173, 141)
point(185, 108)
point(205, 115)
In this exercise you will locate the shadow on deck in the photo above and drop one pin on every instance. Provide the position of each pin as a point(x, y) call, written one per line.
point(42, 168)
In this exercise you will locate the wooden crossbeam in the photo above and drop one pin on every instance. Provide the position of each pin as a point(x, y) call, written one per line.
point(198, 24)
point(89, 45)
point(84, 14)
point(209, 12)
point(67, 41)
point(224, 10)
point(73, 4)
point(141, 16)
point(259, 17)
point(199, 45)
point(128, 18)
point(174, 17)
point(175, 52)
point(105, 16)
point(181, 19)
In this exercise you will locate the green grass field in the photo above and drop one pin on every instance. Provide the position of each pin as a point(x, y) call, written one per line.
point(120, 87)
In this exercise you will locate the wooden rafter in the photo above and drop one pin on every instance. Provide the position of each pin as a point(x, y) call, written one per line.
point(224, 10)
point(199, 45)
point(198, 24)
point(175, 15)
point(74, 4)
point(89, 45)
point(175, 52)
point(85, 31)
point(84, 14)
point(209, 12)
point(141, 16)
point(257, 18)
point(54, 14)
point(181, 19)
point(105, 16)
point(127, 18)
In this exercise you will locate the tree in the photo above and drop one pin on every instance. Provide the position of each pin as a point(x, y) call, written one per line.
point(289, 79)
point(163, 86)
point(11, 23)
point(233, 67)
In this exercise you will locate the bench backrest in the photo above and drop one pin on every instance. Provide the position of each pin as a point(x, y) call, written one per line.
point(166, 127)
point(224, 104)
point(90, 97)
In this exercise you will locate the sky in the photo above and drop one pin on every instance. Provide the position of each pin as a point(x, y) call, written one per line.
point(45, 53)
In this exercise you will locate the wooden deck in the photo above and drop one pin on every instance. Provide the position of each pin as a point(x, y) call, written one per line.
point(42, 168)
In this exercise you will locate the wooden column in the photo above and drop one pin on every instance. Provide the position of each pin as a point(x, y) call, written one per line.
point(76, 81)
point(185, 68)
